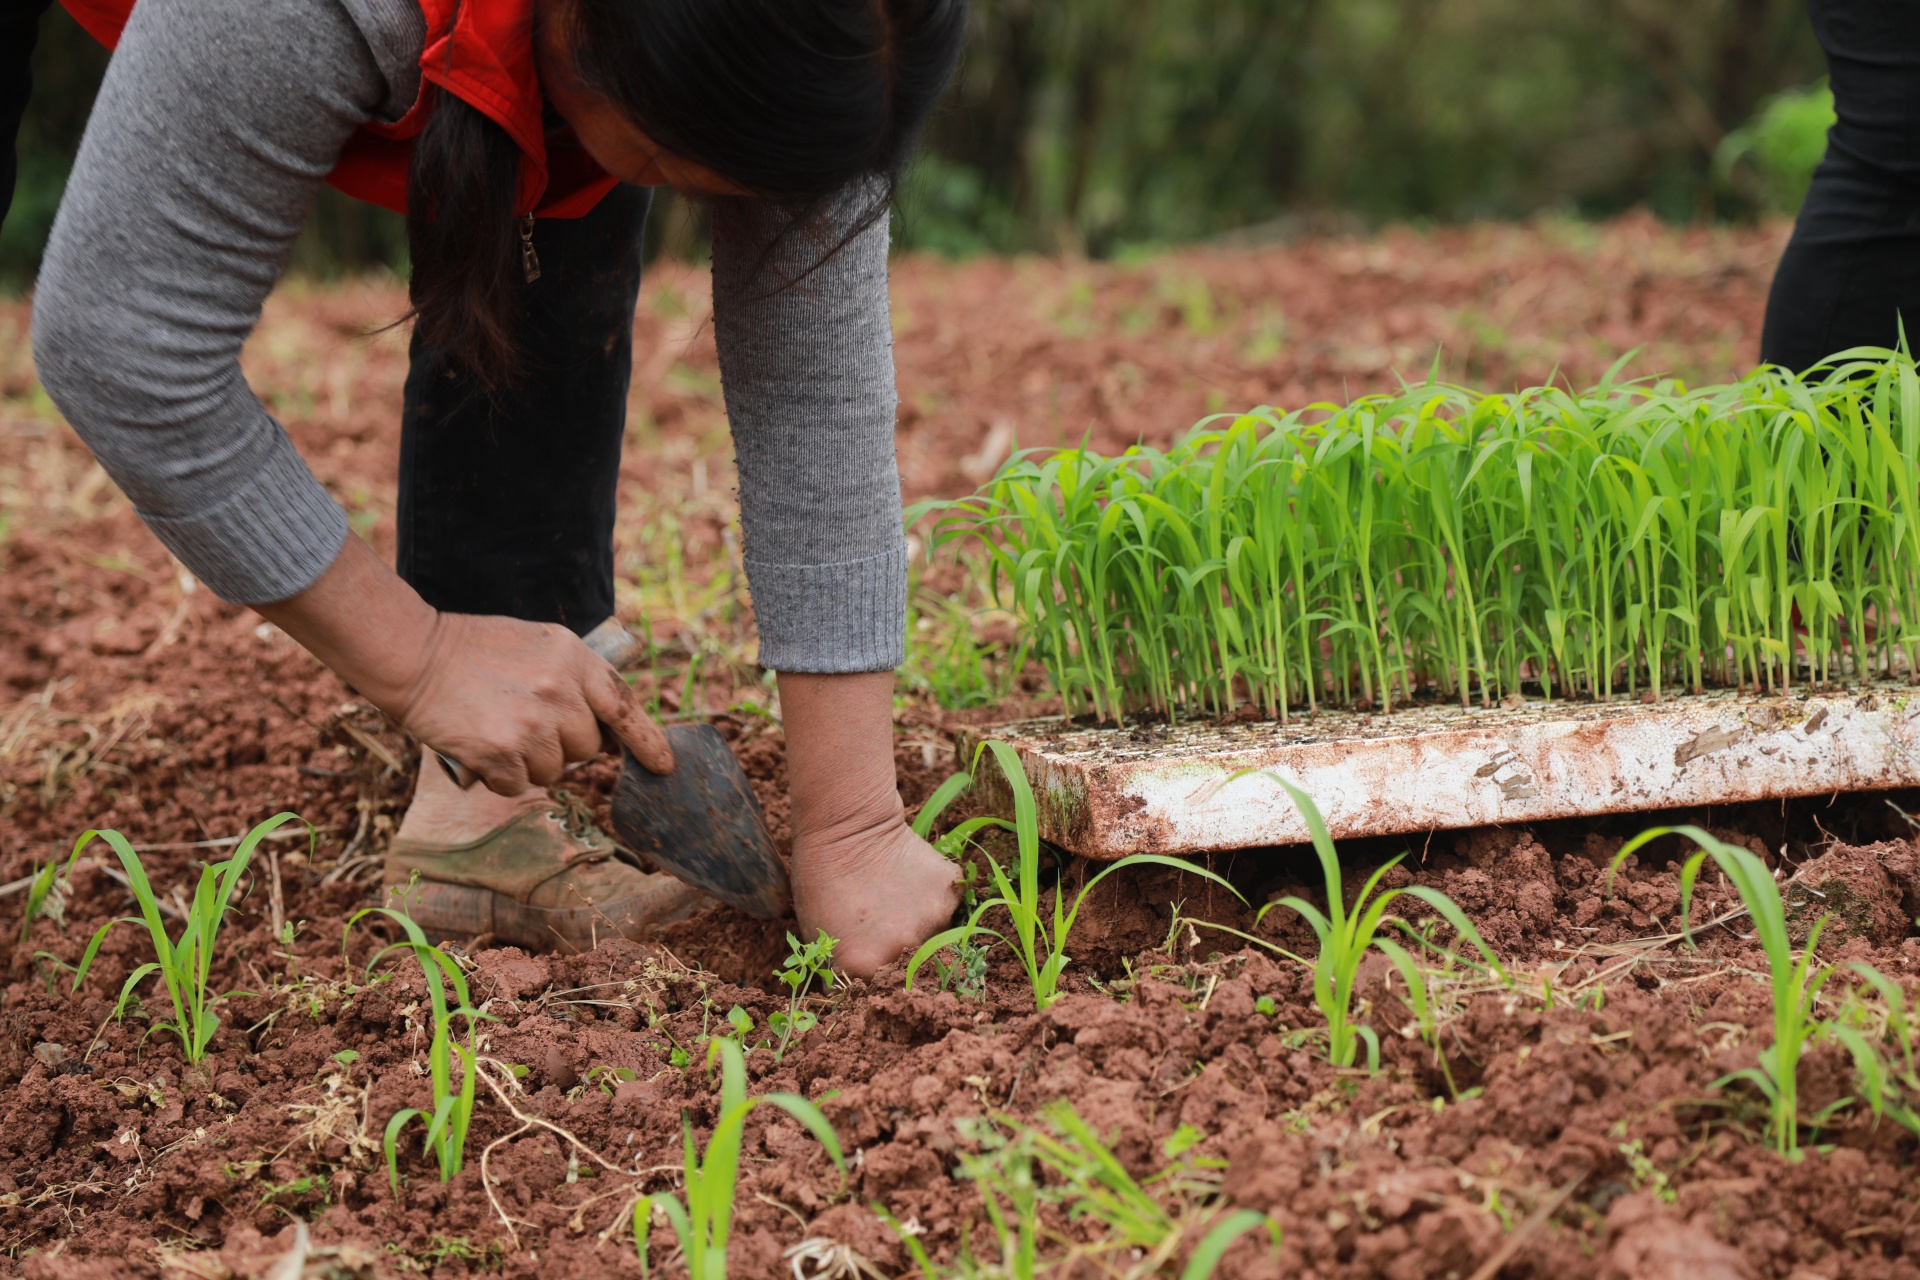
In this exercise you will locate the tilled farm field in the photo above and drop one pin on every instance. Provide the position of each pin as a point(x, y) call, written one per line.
point(1566, 1122)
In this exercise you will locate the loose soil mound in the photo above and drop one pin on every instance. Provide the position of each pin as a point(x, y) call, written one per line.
point(1575, 1128)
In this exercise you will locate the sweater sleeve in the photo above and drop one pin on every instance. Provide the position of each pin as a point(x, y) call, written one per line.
point(806, 360)
point(214, 127)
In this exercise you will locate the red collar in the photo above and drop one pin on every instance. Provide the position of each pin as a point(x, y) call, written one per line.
point(480, 51)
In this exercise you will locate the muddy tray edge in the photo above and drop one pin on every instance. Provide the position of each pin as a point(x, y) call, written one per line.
point(1107, 793)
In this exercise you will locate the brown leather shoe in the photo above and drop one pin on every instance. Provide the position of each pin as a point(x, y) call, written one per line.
point(547, 879)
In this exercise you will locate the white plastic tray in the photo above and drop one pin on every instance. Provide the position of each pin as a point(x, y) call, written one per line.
point(1106, 792)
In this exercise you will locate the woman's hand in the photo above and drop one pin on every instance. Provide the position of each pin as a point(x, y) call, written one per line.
point(859, 874)
point(514, 701)
point(517, 701)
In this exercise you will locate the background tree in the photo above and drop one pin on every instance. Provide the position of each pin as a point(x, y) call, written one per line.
point(1094, 125)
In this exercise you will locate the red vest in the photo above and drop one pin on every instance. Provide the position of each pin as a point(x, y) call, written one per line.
point(480, 51)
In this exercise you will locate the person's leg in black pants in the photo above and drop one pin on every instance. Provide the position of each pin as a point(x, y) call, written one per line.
point(506, 507)
point(1851, 273)
point(19, 31)
point(507, 504)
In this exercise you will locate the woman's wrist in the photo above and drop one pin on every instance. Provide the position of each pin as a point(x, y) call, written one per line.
point(840, 774)
point(366, 624)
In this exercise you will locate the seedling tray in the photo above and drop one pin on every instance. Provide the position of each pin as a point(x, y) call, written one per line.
point(1109, 792)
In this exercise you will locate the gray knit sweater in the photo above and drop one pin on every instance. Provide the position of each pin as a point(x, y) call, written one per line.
point(215, 126)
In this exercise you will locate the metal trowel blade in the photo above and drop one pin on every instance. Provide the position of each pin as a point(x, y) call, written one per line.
point(701, 823)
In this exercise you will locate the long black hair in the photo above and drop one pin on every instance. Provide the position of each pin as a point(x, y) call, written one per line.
point(792, 100)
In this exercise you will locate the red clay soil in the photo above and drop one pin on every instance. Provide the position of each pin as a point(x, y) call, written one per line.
point(1588, 1138)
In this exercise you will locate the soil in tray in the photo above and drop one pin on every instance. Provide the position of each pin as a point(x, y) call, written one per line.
point(116, 1158)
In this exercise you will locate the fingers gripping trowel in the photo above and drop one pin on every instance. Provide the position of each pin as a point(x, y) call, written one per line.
point(701, 823)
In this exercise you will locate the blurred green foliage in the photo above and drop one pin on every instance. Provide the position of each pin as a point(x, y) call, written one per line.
point(66, 69)
point(1098, 125)
point(1774, 154)
point(1093, 125)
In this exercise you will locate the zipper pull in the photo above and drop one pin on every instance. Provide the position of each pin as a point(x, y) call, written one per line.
point(529, 260)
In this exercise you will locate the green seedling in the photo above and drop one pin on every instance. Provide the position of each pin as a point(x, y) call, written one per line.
point(608, 1077)
point(1133, 1213)
point(1346, 933)
point(185, 964)
point(703, 1223)
point(945, 661)
point(447, 1123)
point(1796, 980)
point(46, 894)
point(739, 1032)
point(1544, 543)
point(442, 1249)
point(1883, 1054)
point(1646, 1175)
point(1422, 1004)
point(952, 843)
point(967, 976)
point(806, 964)
point(1040, 945)
point(1139, 1236)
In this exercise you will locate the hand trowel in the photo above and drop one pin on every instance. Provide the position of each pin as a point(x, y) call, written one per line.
point(701, 823)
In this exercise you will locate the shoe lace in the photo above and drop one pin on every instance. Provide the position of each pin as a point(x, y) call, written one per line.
point(575, 815)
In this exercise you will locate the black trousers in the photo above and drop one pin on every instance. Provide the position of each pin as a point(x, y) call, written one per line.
point(19, 31)
point(507, 503)
point(1851, 273)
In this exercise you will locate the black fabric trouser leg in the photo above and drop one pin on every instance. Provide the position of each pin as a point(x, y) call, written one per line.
point(19, 31)
point(506, 505)
point(1851, 273)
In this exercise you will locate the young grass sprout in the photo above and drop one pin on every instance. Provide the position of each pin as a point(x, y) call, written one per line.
point(452, 1110)
point(185, 964)
point(1040, 944)
point(1143, 1226)
point(705, 1221)
point(1796, 980)
point(1346, 932)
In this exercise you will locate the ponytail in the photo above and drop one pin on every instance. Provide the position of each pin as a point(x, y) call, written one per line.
point(794, 102)
point(461, 233)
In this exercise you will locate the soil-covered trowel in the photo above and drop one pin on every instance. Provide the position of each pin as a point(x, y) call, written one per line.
point(701, 823)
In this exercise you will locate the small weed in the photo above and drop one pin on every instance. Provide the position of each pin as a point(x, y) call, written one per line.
point(947, 662)
point(742, 1023)
point(1646, 1175)
point(967, 976)
point(1889, 1082)
point(442, 1249)
point(609, 1078)
point(49, 966)
point(703, 1223)
point(1423, 1003)
point(1040, 946)
point(47, 895)
point(806, 964)
point(452, 1107)
point(305, 1185)
point(184, 965)
point(1144, 1225)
